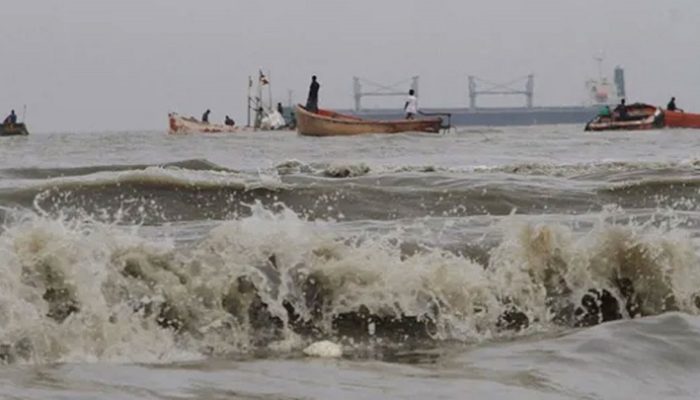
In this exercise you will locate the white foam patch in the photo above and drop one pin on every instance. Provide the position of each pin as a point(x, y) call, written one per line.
point(324, 349)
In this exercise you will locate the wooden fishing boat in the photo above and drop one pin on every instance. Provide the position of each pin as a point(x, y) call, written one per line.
point(639, 117)
point(644, 116)
point(179, 124)
point(329, 123)
point(18, 129)
point(680, 119)
point(182, 125)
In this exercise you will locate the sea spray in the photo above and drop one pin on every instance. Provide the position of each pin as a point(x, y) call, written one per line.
point(81, 290)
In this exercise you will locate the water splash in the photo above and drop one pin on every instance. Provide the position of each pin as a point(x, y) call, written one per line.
point(80, 290)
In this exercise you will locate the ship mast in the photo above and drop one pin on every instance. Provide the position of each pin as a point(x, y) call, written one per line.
point(599, 59)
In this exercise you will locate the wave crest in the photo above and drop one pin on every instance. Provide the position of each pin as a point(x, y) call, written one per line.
point(89, 291)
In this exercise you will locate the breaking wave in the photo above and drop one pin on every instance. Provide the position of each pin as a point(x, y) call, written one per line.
point(196, 189)
point(77, 290)
point(47, 173)
point(614, 171)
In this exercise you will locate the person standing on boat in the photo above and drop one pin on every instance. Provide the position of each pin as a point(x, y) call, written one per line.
point(11, 119)
point(312, 100)
point(205, 116)
point(621, 111)
point(411, 106)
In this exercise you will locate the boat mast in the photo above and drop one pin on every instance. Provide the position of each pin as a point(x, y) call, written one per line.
point(250, 86)
point(259, 100)
point(269, 90)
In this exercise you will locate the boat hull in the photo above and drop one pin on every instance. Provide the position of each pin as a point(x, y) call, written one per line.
point(13, 130)
point(677, 119)
point(500, 116)
point(183, 125)
point(328, 123)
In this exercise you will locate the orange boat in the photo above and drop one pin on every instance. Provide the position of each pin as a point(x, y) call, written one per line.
point(680, 119)
point(329, 123)
point(644, 116)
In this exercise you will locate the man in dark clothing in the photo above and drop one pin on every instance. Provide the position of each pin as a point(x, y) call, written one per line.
point(621, 111)
point(205, 116)
point(228, 121)
point(11, 119)
point(312, 100)
point(672, 105)
point(280, 109)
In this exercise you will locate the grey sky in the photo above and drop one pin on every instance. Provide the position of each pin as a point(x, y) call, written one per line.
point(109, 65)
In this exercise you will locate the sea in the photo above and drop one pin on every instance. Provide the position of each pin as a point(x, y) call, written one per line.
point(520, 263)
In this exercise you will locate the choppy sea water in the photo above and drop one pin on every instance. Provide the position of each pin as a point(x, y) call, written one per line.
point(539, 262)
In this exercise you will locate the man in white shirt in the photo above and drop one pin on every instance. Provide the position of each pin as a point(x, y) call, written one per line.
point(411, 106)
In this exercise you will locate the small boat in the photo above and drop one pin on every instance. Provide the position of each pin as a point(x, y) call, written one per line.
point(329, 123)
point(644, 116)
point(18, 129)
point(680, 119)
point(179, 124)
point(639, 117)
point(182, 125)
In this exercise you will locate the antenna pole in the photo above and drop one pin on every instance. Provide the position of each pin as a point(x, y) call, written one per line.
point(250, 85)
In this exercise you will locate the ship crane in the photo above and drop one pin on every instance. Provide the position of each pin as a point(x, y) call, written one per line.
point(379, 90)
point(501, 89)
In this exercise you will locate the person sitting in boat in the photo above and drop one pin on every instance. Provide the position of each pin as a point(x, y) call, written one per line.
point(205, 116)
point(229, 122)
point(411, 106)
point(605, 112)
point(312, 99)
point(672, 105)
point(11, 119)
point(621, 111)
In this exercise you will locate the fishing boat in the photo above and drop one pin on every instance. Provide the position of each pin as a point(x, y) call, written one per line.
point(680, 119)
point(179, 124)
point(183, 125)
point(642, 116)
point(18, 129)
point(329, 123)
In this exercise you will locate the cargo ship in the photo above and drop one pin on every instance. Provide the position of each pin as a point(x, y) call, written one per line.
point(600, 92)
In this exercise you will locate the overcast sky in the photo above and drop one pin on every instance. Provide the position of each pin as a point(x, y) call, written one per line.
point(84, 65)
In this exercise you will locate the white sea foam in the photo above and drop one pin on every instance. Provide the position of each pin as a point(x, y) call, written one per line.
point(324, 349)
point(85, 291)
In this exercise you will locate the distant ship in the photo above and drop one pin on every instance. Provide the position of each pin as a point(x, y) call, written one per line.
point(600, 92)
